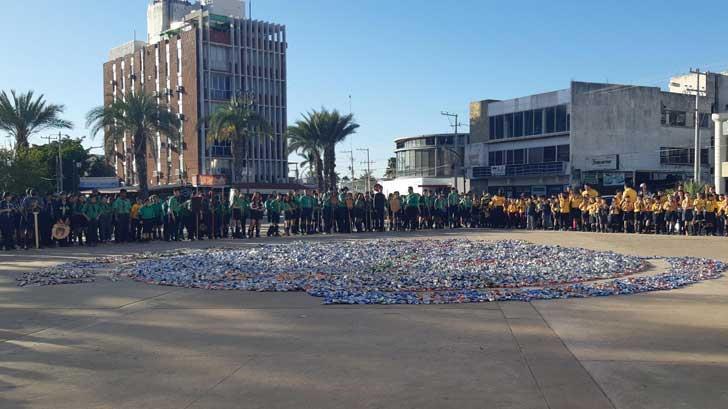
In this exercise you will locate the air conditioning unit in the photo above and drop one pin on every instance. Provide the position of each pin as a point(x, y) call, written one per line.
point(180, 89)
point(112, 83)
point(132, 76)
point(155, 93)
point(157, 174)
point(168, 92)
point(181, 117)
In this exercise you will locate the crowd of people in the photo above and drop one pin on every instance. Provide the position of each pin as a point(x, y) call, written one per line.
point(73, 219)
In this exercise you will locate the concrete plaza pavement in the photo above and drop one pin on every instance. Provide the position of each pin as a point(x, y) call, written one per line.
point(123, 344)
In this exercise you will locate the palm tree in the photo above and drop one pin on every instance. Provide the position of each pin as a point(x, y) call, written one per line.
point(138, 115)
point(21, 116)
point(325, 129)
point(237, 122)
point(334, 128)
point(303, 137)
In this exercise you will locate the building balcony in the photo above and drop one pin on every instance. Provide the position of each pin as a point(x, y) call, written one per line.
point(534, 169)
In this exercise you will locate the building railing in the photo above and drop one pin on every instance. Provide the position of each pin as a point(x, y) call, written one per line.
point(534, 169)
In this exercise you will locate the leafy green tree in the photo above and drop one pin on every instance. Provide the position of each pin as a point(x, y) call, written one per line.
point(140, 116)
point(391, 171)
point(22, 115)
point(74, 158)
point(237, 122)
point(19, 172)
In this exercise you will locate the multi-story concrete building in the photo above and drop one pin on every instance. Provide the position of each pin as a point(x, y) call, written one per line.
point(601, 134)
point(198, 56)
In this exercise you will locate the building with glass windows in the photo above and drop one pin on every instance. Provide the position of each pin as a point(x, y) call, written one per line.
point(432, 162)
point(600, 134)
point(197, 57)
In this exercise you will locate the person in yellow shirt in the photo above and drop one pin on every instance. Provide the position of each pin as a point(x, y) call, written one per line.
point(638, 207)
point(627, 214)
point(658, 217)
point(699, 214)
point(630, 193)
point(498, 203)
point(136, 225)
point(711, 206)
point(615, 215)
point(670, 214)
point(576, 201)
point(564, 210)
point(589, 192)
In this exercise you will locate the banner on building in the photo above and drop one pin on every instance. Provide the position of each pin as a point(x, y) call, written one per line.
point(613, 179)
point(86, 183)
point(602, 162)
point(499, 170)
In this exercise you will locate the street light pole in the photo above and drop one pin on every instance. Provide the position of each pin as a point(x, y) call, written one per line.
point(369, 168)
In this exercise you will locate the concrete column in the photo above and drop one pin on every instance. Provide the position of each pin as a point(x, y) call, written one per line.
point(720, 155)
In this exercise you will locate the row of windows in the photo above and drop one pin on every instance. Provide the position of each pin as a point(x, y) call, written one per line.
point(530, 123)
point(430, 141)
point(680, 118)
point(681, 156)
point(543, 154)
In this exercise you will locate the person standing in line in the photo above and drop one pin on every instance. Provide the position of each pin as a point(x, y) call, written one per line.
point(380, 204)
point(121, 210)
point(256, 214)
point(92, 211)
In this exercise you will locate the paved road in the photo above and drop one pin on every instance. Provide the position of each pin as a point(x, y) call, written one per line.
point(128, 345)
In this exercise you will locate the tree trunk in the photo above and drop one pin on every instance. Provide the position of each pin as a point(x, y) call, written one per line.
point(330, 166)
point(320, 173)
point(236, 151)
point(140, 160)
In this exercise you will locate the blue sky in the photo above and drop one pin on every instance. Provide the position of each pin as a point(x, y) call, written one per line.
point(401, 61)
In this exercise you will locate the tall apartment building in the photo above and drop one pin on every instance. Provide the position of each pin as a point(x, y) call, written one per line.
point(601, 134)
point(196, 58)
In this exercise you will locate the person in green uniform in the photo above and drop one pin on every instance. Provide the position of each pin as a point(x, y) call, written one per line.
point(329, 202)
point(307, 203)
point(359, 212)
point(121, 208)
point(92, 211)
point(342, 213)
point(412, 209)
point(272, 206)
point(147, 216)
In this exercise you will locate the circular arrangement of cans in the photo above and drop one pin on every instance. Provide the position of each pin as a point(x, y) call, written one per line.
point(399, 272)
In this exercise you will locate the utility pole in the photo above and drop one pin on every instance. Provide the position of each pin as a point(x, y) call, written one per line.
point(59, 162)
point(455, 141)
point(696, 170)
point(351, 156)
point(369, 168)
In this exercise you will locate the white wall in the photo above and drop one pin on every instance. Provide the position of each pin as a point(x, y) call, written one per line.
point(235, 8)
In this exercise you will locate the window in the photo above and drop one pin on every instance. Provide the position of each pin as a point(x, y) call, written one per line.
point(509, 125)
point(498, 158)
point(491, 158)
point(517, 124)
point(535, 155)
point(674, 118)
point(563, 153)
point(220, 86)
point(682, 156)
point(219, 58)
point(400, 145)
point(528, 123)
point(499, 127)
point(519, 156)
point(550, 120)
point(705, 120)
point(538, 122)
point(549, 154)
point(430, 141)
point(491, 122)
point(561, 119)
point(509, 157)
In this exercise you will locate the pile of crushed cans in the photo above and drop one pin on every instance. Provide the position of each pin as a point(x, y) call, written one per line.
point(398, 272)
